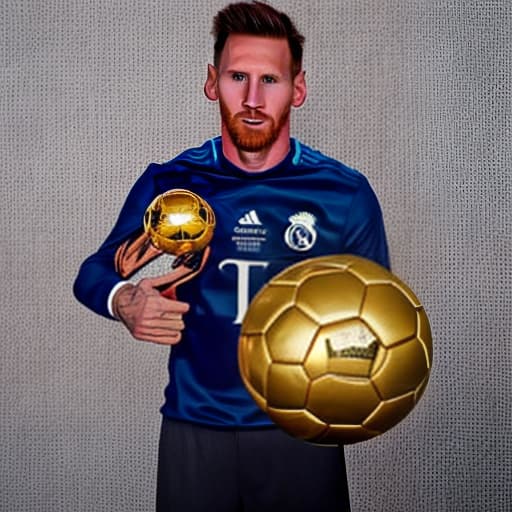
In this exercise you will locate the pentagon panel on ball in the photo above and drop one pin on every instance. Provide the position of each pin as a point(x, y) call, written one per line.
point(335, 349)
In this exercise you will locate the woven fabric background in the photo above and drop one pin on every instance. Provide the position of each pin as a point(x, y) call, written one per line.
point(416, 94)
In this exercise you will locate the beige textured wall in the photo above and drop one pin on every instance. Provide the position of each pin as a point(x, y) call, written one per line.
point(416, 94)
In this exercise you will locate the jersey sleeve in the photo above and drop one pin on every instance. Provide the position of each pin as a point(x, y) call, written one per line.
point(97, 274)
point(365, 234)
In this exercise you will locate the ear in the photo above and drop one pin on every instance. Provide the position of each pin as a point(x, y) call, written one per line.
point(299, 89)
point(210, 86)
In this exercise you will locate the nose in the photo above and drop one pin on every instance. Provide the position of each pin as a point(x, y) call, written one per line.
point(254, 94)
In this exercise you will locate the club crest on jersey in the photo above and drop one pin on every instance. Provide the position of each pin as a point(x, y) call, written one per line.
point(300, 235)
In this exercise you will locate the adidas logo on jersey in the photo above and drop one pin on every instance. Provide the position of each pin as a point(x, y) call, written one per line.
point(249, 232)
point(250, 219)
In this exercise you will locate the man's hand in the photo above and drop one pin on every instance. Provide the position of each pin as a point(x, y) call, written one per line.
point(149, 316)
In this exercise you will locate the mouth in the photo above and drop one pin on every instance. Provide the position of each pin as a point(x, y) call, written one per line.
point(252, 122)
point(250, 119)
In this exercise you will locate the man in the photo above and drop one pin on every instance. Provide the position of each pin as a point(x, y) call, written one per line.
point(276, 201)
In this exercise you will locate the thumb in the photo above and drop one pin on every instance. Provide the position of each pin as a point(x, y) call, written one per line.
point(147, 286)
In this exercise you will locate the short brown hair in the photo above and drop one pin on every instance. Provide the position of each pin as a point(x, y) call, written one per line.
point(258, 19)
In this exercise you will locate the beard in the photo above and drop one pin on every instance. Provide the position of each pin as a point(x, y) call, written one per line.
point(249, 139)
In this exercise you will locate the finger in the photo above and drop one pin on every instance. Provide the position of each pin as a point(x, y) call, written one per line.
point(161, 317)
point(171, 315)
point(176, 306)
point(162, 321)
point(160, 336)
point(164, 325)
point(160, 303)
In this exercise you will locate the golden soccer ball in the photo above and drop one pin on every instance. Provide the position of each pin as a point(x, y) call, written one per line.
point(179, 221)
point(335, 349)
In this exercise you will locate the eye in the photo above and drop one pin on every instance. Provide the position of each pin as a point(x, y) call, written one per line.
point(238, 77)
point(268, 79)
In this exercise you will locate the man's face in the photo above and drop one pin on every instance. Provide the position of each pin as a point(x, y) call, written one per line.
point(255, 89)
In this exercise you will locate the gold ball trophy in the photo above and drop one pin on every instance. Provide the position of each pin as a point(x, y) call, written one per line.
point(177, 222)
point(336, 349)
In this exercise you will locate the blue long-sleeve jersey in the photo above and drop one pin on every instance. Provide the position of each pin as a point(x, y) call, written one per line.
point(309, 205)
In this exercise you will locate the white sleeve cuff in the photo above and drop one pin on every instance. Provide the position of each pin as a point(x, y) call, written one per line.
point(111, 296)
